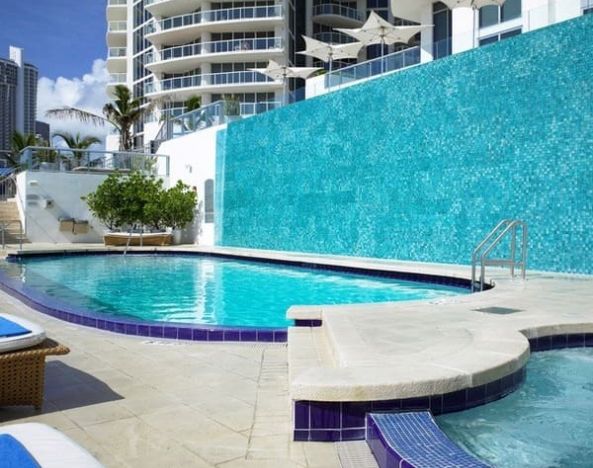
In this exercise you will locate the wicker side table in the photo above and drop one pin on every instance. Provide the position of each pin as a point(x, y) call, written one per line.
point(22, 374)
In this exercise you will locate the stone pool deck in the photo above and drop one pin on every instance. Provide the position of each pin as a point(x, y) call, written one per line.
point(134, 402)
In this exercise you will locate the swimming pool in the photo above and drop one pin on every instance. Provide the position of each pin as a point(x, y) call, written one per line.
point(203, 290)
point(547, 422)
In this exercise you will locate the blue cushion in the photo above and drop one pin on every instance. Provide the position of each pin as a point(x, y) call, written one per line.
point(14, 455)
point(8, 329)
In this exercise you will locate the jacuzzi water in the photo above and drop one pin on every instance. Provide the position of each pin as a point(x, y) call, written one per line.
point(548, 422)
point(204, 290)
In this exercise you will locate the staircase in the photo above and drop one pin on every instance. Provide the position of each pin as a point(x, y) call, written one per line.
point(10, 223)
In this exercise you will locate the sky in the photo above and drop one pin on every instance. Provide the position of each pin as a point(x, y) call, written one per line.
point(65, 40)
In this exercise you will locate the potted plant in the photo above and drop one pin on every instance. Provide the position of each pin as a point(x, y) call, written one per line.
point(128, 205)
point(178, 206)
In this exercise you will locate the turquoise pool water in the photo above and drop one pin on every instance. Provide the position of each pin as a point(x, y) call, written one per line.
point(203, 290)
point(548, 422)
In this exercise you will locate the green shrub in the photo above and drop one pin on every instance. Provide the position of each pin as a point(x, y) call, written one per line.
point(137, 200)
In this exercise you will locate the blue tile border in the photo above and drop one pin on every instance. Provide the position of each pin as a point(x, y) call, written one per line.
point(178, 331)
point(134, 327)
point(317, 421)
point(413, 439)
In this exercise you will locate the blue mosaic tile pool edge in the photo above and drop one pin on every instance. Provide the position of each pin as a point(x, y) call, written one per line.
point(413, 439)
point(136, 327)
point(316, 421)
point(130, 326)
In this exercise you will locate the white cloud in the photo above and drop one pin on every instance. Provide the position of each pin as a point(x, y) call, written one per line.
point(87, 93)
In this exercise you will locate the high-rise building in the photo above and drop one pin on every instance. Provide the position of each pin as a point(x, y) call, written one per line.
point(171, 50)
point(18, 97)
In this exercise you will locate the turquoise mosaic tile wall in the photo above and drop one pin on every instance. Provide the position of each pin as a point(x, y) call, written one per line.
point(420, 165)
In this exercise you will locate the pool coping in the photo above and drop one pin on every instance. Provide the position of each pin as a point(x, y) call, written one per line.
point(178, 331)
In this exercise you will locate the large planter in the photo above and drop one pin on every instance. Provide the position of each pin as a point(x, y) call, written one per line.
point(151, 239)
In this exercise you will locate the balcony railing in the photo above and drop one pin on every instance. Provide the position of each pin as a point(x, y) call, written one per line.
point(211, 16)
point(333, 37)
point(117, 26)
point(207, 79)
point(338, 10)
point(117, 2)
point(117, 78)
point(214, 47)
point(117, 52)
point(93, 161)
point(217, 113)
point(370, 68)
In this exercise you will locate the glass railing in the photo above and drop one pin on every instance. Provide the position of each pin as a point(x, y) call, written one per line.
point(115, 52)
point(117, 26)
point(338, 10)
point(210, 115)
point(207, 79)
point(214, 47)
point(93, 161)
point(333, 37)
point(118, 78)
point(227, 14)
point(117, 2)
point(370, 68)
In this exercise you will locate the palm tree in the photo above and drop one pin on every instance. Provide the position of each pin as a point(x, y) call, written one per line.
point(193, 103)
point(18, 142)
point(75, 142)
point(122, 113)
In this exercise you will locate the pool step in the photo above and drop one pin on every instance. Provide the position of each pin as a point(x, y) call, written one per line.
point(413, 440)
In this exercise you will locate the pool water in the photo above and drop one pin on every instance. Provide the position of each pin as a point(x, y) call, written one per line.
point(204, 290)
point(548, 422)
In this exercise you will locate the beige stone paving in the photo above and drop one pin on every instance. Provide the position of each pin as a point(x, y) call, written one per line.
point(133, 402)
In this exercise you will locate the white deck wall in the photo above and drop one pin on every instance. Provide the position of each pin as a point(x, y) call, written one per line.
point(193, 161)
point(45, 197)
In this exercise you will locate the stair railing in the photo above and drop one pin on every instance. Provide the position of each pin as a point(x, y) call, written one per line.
point(481, 254)
point(5, 225)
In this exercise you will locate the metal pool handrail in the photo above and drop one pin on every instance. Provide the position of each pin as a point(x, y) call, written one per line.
point(493, 240)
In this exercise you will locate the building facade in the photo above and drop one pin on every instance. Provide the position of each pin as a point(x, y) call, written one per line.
point(168, 51)
point(18, 97)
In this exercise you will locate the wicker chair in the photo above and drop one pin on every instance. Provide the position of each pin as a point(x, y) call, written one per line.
point(22, 373)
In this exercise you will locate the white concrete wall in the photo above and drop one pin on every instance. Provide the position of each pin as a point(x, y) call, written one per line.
point(49, 196)
point(193, 161)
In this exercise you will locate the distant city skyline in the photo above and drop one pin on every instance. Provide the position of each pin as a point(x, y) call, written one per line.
point(62, 37)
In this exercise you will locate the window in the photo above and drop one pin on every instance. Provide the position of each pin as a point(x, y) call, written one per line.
point(442, 30)
point(492, 15)
point(499, 37)
point(209, 201)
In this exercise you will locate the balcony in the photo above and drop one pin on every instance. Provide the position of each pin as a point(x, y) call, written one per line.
point(117, 10)
point(188, 57)
point(160, 8)
point(116, 79)
point(230, 82)
point(181, 29)
point(116, 59)
point(332, 14)
point(116, 33)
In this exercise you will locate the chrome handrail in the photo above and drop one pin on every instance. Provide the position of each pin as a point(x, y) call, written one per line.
point(5, 225)
point(493, 240)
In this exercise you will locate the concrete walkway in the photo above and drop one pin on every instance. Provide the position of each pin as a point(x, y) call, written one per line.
point(141, 403)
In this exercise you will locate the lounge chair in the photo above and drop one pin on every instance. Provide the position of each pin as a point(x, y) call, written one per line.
point(23, 348)
point(17, 333)
point(34, 445)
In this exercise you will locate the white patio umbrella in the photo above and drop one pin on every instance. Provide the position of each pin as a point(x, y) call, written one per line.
point(378, 31)
point(330, 52)
point(283, 72)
